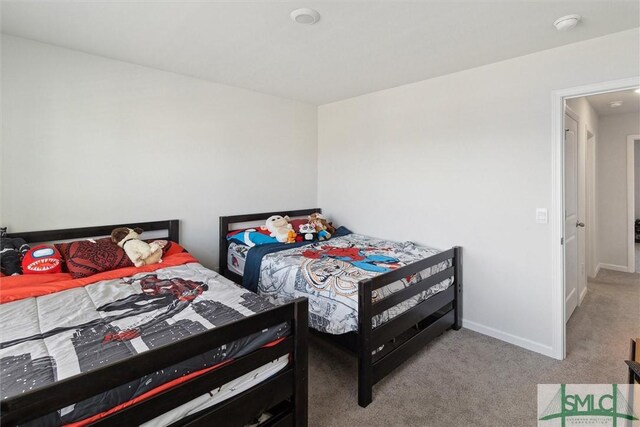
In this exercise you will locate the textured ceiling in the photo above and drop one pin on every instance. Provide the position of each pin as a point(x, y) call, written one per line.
point(356, 48)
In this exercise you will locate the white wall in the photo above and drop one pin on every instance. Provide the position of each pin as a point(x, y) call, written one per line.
point(88, 141)
point(465, 159)
point(612, 188)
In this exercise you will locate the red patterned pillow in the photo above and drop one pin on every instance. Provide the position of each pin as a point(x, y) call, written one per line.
point(85, 258)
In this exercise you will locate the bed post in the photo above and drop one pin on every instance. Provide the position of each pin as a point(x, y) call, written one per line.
point(365, 358)
point(633, 357)
point(222, 245)
point(301, 361)
point(174, 230)
point(457, 302)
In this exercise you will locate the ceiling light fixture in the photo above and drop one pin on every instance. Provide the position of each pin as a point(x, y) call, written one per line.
point(637, 90)
point(567, 22)
point(305, 16)
point(615, 104)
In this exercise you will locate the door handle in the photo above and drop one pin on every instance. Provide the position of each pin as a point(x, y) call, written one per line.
point(580, 224)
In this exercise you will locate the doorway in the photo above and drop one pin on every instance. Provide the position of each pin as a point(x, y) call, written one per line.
point(599, 284)
point(578, 221)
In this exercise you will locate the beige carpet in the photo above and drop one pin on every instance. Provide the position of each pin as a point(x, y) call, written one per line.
point(467, 379)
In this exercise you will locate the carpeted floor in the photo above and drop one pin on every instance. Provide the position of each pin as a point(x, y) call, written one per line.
point(467, 379)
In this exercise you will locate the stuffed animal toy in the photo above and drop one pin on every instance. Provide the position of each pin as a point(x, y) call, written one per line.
point(140, 253)
point(42, 259)
point(324, 228)
point(308, 232)
point(11, 252)
point(323, 235)
point(279, 228)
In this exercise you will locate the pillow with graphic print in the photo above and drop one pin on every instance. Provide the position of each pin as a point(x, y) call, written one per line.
point(251, 237)
point(84, 258)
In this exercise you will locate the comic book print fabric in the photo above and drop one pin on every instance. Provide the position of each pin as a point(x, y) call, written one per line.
point(328, 274)
point(56, 336)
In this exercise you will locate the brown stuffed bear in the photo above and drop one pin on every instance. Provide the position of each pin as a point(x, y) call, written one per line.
point(324, 228)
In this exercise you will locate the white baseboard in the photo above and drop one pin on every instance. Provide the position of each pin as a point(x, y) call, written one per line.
point(511, 339)
point(597, 270)
point(614, 267)
point(582, 295)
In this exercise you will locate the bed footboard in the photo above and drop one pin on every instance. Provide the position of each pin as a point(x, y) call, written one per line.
point(285, 394)
point(406, 333)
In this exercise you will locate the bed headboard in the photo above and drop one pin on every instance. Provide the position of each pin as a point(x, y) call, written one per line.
point(172, 227)
point(227, 222)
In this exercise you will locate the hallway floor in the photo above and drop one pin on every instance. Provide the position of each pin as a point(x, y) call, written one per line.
point(608, 317)
point(464, 378)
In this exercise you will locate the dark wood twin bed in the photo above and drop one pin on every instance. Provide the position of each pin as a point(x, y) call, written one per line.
point(402, 336)
point(285, 394)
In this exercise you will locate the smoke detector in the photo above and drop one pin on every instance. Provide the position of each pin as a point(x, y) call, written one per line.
point(305, 16)
point(615, 104)
point(567, 22)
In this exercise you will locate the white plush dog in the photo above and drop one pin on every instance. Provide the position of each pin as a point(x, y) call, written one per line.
point(141, 253)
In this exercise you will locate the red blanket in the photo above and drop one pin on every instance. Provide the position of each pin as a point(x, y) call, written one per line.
point(14, 288)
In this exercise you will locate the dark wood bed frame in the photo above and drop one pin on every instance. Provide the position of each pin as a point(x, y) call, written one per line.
point(284, 395)
point(401, 336)
point(634, 362)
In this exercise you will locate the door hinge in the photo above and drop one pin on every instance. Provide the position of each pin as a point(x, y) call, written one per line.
point(562, 240)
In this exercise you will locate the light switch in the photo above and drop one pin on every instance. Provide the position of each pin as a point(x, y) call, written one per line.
point(542, 215)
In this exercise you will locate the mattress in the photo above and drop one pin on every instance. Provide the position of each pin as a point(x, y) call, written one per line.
point(328, 273)
point(236, 257)
point(117, 315)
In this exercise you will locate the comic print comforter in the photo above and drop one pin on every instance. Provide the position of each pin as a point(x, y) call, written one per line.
point(55, 336)
point(327, 273)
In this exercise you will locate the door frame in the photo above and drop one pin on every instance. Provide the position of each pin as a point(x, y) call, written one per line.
point(631, 205)
point(558, 97)
point(591, 216)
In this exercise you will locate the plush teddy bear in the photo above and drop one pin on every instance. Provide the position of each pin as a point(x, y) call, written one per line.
point(308, 232)
point(11, 252)
point(279, 227)
point(140, 253)
point(323, 227)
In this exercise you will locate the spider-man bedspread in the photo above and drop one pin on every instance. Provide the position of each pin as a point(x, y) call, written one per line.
point(328, 272)
point(72, 326)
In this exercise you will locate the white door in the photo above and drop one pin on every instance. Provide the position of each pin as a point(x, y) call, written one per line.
point(570, 215)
